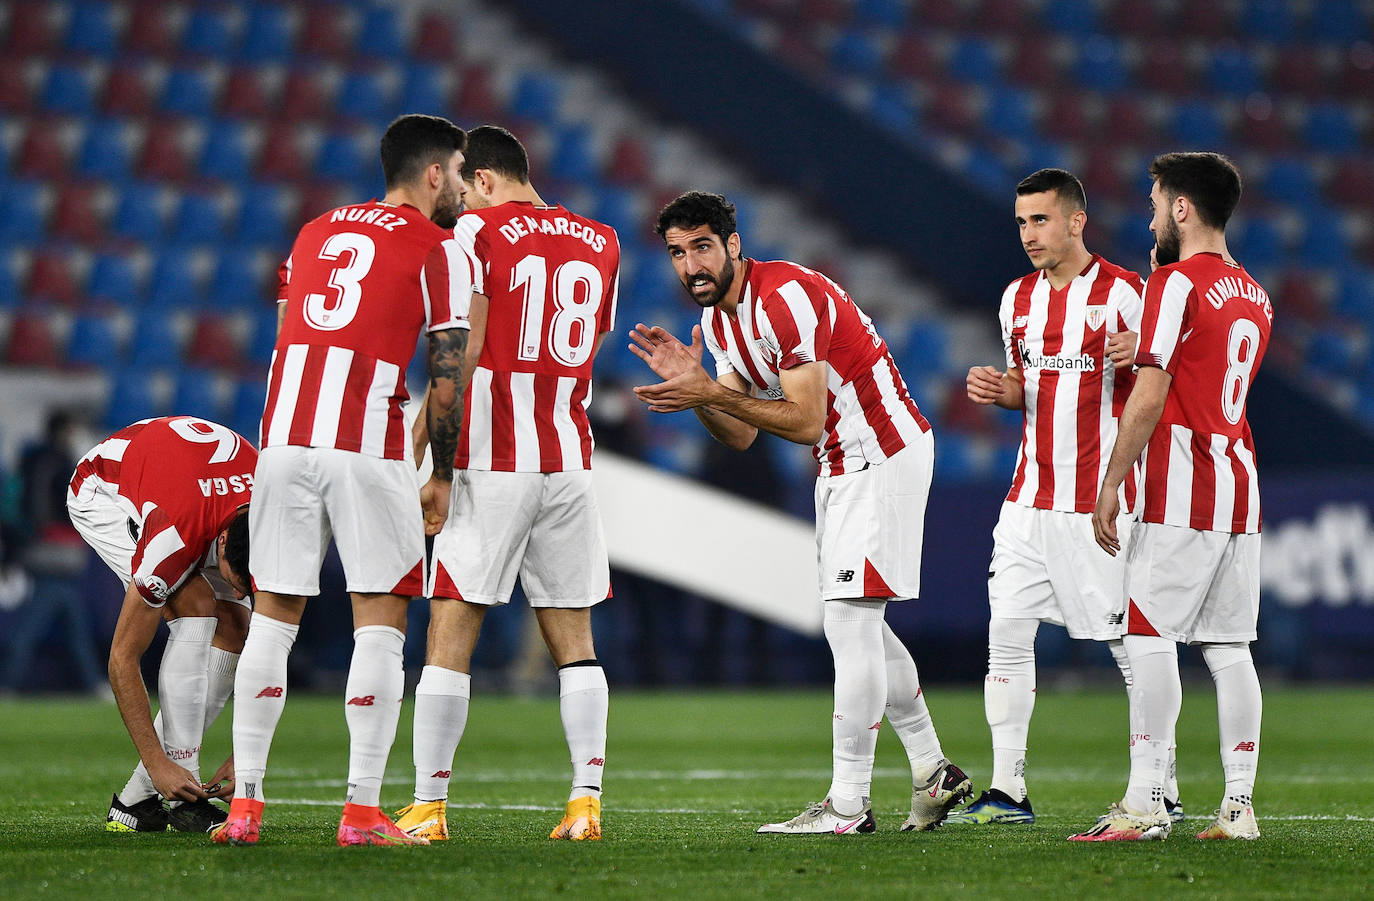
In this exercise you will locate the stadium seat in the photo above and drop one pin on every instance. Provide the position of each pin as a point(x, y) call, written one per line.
point(165, 154)
point(536, 97)
point(1232, 70)
point(12, 267)
point(477, 96)
point(1357, 75)
point(893, 106)
point(573, 158)
point(856, 51)
point(115, 277)
point(229, 150)
point(381, 35)
point(1010, 113)
point(1331, 128)
point(1325, 241)
point(1198, 124)
point(79, 213)
point(39, 32)
point(975, 59)
point(1071, 18)
point(1290, 180)
point(308, 95)
point(128, 90)
point(156, 340)
point(1270, 21)
point(1166, 68)
point(177, 281)
point(288, 154)
point(262, 339)
point(107, 151)
point(367, 95)
point(154, 29)
point(23, 212)
point(94, 341)
point(1338, 21)
point(317, 199)
point(189, 91)
point(343, 158)
point(69, 89)
point(1298, 70)
point(1257, 241)
point(212, 31)
point(42, 152)
point(198, 392)
point(136, 393)
point(214, 343)
point(327, 31)
point(139, 212)
point(92, 28)
point(435, 40)
point(249, 398)
point(265, 211)
point(32, 342)
point(1355, 294)
point(1334, 351)
point(268, 34)
point(952, 106)
point(240, 280)
point(201, 217)
point(1353, 181)
point(57, 276)
point(17, 93)
point(246, 94)
point(427, 89)
point(916, 56)
point(1102, 66)
point(888, 14)
point(1213, 21)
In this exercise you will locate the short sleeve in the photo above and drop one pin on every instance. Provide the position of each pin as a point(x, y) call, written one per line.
point(713, 345)
point(283, 279)
point(1125, 299)
point(161, 560)
point(802, 335)
point(1005, 312)
point(446, 283)
point(1164, 319)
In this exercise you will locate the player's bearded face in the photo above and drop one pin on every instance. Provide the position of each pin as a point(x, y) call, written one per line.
point(719, 280)
point(447, 205)
point(1167, 240)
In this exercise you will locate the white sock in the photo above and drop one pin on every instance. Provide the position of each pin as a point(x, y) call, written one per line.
point(220, 671)
point(854, 630)
point(376, 683)
point(1239, 710)
point(259, 696)
point(1009, 700)
point(1157, 697)
point(441, 715)
point(907, 711)
point(181, 687)
point(583, 704)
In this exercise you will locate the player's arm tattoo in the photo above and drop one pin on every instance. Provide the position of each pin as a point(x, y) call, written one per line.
point(447, 350)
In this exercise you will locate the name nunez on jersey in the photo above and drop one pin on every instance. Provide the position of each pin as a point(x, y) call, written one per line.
point(517, 227)
point(374, 216)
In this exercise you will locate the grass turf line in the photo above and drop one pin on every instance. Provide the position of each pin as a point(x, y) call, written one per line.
point(689, 778)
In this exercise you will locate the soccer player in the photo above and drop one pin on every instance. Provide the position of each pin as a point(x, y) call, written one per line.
point(795, 356)
point(163, 503)
point(363, 281)
point(1193, 559)
point(543, 297)
point(1069, 331)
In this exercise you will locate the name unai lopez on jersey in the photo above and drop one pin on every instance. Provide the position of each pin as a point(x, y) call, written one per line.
point(1229, 288)
point(518, 227)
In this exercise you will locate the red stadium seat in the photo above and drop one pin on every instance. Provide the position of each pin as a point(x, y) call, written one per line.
point(1068, 116)
point(1103, 178)
point(1005, 17)
point(1353, 181)
point(328, 31)
point(246, 94)
point(1301, 70)
point(827, 12)
point(1263, 128)
point(1166, 68)
point(287, 154)
point(165, 153)
point(37, 31)
point(916, 57)
point(938, 14)
point(476, 96)
point(152, 29)
point(128, 91)
point(435, 40)
point(1301, 299)
point(214, 343)
point(1127, 122)
point(51, 278)
point(32, 342)
point(952, 106)
point(1357, 77)
point(307, 96)
point(317, 199)
point(16, 90)
point(79, 213)
point(1033, 64)
point(42, 152)
point(629, 163)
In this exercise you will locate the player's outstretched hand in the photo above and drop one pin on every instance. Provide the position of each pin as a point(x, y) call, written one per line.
point(221, 785)
point(984, 384)
point(1104, 521)
point(434, 496)
point(174, 782)
point(1121, 348)
point(666, 355)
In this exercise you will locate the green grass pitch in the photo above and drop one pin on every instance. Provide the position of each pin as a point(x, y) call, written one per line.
point(689, 777)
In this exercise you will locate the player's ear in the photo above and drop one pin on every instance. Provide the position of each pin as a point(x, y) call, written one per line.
point(1077, 222)
point(732, 246)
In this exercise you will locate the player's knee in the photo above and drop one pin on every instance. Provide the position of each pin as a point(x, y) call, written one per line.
point(1220, 657)
point(1011, 644)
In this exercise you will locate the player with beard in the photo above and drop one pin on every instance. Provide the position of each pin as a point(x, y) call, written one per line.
point(1193, 559)
point(362, 282)
point(1068, 330)
point(796, 357)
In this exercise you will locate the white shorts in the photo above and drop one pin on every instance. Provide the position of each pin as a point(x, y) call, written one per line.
point(303, 496)
point(1046, 565)
point(1192, 585)
point(870, 526)
point(105, 520)
point(545, 527)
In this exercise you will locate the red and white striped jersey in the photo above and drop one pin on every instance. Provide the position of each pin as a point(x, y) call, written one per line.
point(1207, 323)
point(1058, 339)
point(182, 481)
point(552, 278)
point(789, 315)
point(361, 283)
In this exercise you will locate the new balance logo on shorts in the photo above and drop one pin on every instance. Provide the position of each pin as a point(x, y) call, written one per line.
point(271, 691)
point(362, 701)
point(845, 575)
point(1116, 619)
point(1245, 746)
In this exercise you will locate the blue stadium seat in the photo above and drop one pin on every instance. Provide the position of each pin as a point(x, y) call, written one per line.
point(197, 393)
point(155, 341)
point(427, 89)
point(892, 106)
point(1045, 155)
point(1333, 352)
point(1338, 21)
point(1133, 242)
point(209, 32)
point(381, 35)
point(1355, 294)
point(262, 219)
point(342, 157)
point(1009, 114)
point(263, 339)
point(1071, 18)
point(1257, 242)
point(267, 36)
point(200, 219)
point(239, 281)
point(22, 217)
point(1291, 181)
point(228, 151)
point(138, 212)
point(94, 340)
point(617, 207)
point(245, 411)
point(189, 91)
point(1198, 125)
point(1324, 241)
point(105, 152)
point(573, 159)
point(856, 52)
point(68, 89)
point(1268, 20)
point(890, 14)
point(1232, 71)
point(956, 458)
point(367, 95)
point(91, 29)
point(134, 395)
point(987, 170)
point(175, 283)
point(9, 280)
point(536, 97)
point(114, 277)
point(1331, 128)
point(1101, 66)
point(975, 59)
point(927, 346)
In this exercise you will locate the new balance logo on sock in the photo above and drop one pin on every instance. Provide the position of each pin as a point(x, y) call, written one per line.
point(1244, 746)
point(597, 761)
point(442, 774)
point(361, 701)
point(271, 691)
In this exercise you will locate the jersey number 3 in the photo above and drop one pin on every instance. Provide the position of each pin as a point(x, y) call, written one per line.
point(331, 313)
point(576, 297)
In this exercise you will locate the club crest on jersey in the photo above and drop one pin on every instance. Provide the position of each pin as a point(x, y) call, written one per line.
point(1096, 317)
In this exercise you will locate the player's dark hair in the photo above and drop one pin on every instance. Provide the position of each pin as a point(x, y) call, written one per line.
point(415, 142)
point(1061, 181)
point(1210, 181)
point(236, 547)
point(697, 208)
point(493, 147)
